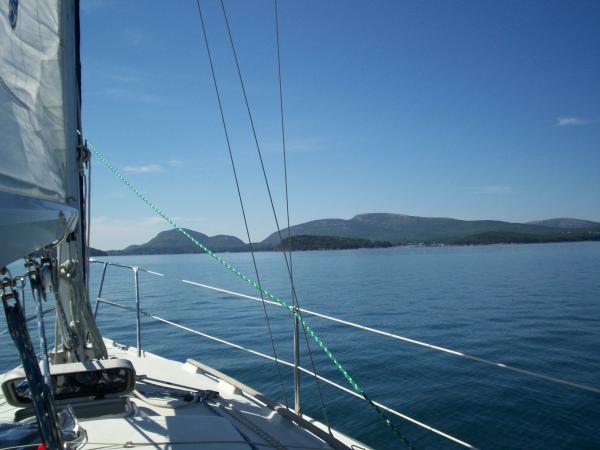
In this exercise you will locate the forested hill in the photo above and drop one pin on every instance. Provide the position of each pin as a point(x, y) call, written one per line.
point(403, 229)
point(379, 230)
point(566, 223)
point(173, 242)
point(307, 242)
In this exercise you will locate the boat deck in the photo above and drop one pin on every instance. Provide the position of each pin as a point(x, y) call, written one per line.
point(188, 405)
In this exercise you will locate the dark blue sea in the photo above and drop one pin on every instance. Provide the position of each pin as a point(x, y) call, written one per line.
point(532, 306)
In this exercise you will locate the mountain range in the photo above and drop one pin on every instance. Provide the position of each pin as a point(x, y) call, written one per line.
point(403, 229)
point(397, 229)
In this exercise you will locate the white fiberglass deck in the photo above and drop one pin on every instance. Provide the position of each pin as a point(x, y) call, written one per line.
point(233, 419)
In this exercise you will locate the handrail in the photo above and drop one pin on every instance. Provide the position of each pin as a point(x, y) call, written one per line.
point(286, 363)
point(405, 339)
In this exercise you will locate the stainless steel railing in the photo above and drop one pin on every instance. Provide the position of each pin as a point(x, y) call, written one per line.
point(139, 312)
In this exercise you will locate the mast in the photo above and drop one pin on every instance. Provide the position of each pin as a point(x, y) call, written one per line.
point(72, 254)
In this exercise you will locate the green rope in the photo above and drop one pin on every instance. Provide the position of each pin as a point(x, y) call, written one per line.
point(257, 286)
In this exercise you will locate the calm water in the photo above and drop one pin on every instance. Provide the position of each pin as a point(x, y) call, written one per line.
point(533, 306)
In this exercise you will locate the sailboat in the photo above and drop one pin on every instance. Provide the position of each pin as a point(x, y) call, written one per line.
point(78, 389)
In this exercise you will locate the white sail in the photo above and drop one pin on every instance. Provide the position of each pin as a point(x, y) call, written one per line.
point(38, 123)
point(32, 125)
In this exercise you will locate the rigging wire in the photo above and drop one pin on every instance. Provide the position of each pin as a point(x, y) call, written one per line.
point(237, 185)
point(87, 192)
point(287, 212)
point(250, 282)
point(88, 204)
point(283, 144)
point(285, 178)
point(264, 172)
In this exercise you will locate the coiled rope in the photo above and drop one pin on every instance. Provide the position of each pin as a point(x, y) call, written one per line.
point(359, 390)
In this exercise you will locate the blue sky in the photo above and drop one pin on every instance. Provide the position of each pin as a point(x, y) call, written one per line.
point(473, 110)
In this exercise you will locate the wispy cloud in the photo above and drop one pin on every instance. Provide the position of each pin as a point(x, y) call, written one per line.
point(306, 145)
point(154, 168)
point(490, 189)
point(175, 162)
point(128, 94)
point(565, 121)
point(147, 168)
point(124, 77)
point(135, 37)
point(121, 83)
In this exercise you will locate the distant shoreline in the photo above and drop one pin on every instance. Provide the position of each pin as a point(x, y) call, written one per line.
point(374, 230)
point(348, 244)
